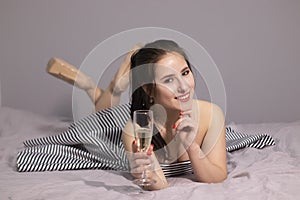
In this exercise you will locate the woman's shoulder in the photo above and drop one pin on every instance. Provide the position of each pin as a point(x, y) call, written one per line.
point(208, 111)
point(206, 106)
point(128, 128)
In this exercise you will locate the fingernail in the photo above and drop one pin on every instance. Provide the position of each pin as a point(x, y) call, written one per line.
point(134, 142)
point(152, 146)
point(149, 153)
point(174, 126)
point(181, 112)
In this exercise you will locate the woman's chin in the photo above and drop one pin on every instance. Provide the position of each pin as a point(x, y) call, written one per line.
point(185, 105)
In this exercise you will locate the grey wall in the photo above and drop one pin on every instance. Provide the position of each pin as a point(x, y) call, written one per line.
point(254, 43)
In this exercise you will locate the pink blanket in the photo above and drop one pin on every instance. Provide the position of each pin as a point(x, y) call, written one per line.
point(270, 173)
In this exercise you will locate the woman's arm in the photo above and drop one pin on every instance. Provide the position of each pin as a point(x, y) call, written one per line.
point(141, 160)
point(209, 161)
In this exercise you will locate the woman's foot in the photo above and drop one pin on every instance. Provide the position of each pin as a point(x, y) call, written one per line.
point(67, 72)
point(120, 81)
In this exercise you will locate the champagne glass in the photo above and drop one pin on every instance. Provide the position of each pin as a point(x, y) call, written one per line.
point(143, 130)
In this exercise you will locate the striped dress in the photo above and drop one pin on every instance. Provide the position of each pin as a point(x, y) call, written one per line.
point(95, 143)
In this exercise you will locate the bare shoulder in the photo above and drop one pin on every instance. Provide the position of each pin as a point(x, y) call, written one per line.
point(128, 135)
point(208, 109)
point(208, 112)
point(128, 128)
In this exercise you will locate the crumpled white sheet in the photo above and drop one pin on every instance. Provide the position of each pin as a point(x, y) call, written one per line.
point(270, 173)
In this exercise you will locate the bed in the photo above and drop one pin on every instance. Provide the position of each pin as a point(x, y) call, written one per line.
point(269, 173)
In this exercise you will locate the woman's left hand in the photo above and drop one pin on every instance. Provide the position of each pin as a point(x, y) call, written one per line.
point(186, 129)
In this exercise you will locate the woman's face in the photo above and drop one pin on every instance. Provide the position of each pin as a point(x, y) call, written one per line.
point(174, 83)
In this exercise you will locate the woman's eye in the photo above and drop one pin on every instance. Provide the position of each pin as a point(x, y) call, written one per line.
point(186, 72)
point(169, 80)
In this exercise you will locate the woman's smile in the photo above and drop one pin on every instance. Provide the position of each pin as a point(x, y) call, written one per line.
point(184, 98)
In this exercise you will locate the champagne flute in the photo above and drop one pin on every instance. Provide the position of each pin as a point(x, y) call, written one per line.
point(143, 130)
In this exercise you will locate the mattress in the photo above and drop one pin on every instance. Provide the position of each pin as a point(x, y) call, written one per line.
point(269, 173)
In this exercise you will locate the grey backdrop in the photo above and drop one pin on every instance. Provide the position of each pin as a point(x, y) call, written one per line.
point(255, 44)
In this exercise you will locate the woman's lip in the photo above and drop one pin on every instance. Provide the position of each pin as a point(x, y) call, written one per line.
point(184, 97)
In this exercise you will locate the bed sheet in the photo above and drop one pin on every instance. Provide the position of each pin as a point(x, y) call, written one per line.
point(269, 173)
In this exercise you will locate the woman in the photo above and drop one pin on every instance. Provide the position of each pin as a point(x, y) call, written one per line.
point(189, 133)
point(190, 129)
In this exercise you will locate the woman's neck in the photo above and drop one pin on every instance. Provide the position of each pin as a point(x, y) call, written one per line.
point(172, 117)
point(166, 127)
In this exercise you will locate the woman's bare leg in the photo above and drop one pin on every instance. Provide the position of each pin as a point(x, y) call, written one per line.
point(101, 98)
point(67, 72)
point(111, 96)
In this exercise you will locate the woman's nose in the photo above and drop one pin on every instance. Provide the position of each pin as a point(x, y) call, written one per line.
point(183, 85)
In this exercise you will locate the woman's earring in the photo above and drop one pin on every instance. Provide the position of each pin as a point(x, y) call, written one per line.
point(151, 100)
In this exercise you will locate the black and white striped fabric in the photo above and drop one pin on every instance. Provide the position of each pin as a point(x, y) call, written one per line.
point(95, 143)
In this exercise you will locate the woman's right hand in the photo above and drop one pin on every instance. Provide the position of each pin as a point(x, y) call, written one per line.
point(140, 161)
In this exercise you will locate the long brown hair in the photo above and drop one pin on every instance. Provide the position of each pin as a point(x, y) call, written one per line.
point(142, 71)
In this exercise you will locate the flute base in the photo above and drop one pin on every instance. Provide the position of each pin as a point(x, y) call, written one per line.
point(144, 182)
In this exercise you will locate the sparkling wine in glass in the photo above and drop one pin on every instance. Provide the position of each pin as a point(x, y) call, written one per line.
point(143, 130)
